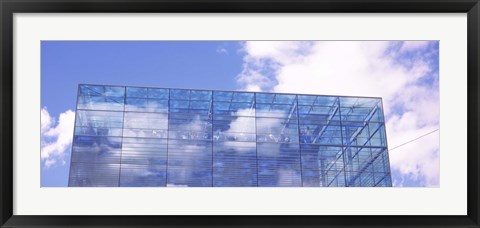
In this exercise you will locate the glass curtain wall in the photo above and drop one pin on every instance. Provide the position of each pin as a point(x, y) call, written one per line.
point(157, 137)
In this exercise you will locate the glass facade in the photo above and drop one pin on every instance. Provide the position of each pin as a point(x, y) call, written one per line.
point(158, 137)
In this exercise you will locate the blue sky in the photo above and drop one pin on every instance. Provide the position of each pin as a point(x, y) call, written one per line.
point(163, 64)
point(404, 74)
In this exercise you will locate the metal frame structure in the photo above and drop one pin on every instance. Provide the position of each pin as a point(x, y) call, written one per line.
point(149, 136)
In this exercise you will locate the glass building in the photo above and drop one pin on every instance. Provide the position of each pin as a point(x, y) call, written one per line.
point(160, 137)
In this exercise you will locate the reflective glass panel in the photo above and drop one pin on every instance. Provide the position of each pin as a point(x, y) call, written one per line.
point(94, 175)
point(234, 164)
point(101, 97)
point(96, 149)
point(144, 151)
point(142, 175)
point(143, 136)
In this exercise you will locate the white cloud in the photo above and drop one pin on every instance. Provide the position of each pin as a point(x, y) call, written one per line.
point(46, 120)
point(418, 159)
point(222, 50)
point(244, 123)
point(256, 74)
point(361, 68)
point(56, 138)
point(187, 153)
point(269, 128)
point(283, 51)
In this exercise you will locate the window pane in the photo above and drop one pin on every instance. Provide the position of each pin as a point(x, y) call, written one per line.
point(146, 105)
point(275, 111)
point(137, 92)
point(358, 109)
point(162, 94)
point(99, 119)
point(318, 161)
point(189, 163)
point(234, 164)
point(99, 123)
point(96, 149)
point(264, 98)
point(143, 175)
point(140, 120)
point(179, 94)
point(278, 165)
point(94, 175)
point(144, 151)
point(101, 103)
point(222, 96)
point(201, 95)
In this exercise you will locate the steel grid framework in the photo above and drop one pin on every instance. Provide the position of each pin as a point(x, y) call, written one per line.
point(146, 136)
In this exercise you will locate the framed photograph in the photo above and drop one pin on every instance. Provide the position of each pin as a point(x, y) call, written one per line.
point(256, 114)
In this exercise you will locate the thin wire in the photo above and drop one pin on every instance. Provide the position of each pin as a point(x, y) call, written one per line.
point(413, 140)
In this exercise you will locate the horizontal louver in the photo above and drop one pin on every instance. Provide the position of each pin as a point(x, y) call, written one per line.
point(155, 137)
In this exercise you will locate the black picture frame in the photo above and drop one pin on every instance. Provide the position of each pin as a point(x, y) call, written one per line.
point(9, 7)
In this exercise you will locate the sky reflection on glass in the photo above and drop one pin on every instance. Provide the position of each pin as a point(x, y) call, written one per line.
point(154, 137)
